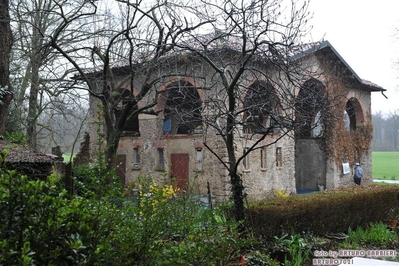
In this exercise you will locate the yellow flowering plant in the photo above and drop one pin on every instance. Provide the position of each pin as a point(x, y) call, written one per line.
point(154, 194)
point(163, 227)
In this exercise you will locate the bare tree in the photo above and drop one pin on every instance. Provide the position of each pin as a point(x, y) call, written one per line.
point(250, 94)
point(393, 128)
point(5, 48)
point(251, 43)
point(63, 123)
point(386, 131)
point(140, 37)
point(378, 131)
point(38, 74)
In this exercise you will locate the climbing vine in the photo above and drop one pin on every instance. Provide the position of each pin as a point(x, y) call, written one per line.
point(343, 144)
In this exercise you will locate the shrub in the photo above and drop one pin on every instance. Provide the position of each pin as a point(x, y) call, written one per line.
point(377, 234)
point(323, 212)
point(158, 227)
point(41, 225)
point(92, 180)
point(294, 248)
point(16, 137)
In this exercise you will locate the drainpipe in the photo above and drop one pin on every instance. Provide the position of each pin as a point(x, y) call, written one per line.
point(384, 95)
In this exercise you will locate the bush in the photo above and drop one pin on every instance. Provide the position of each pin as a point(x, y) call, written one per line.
point(375, 235)
point(16, 137)
point(160, 228)
point(330, 211)
point(41, 225)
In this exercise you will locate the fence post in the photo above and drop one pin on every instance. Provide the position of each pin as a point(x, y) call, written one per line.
point(68, 179)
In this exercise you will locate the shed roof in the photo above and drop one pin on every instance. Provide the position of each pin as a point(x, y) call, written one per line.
point(17, 153)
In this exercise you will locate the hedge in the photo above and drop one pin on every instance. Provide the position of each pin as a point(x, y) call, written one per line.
point(328, 211)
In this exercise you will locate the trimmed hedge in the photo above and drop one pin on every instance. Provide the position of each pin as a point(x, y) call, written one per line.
point(329, 211)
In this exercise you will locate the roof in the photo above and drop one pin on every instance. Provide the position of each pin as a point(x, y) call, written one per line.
point(311, 48)
point(214, 41)
point(22, 154)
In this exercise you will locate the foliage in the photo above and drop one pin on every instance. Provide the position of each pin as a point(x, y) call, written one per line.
point(385, 165)
point(377, 234)
point(41, 224)
point(258, 258)
point(16, 137)
point(92, 180)
point(160, 228)
point(341, 143)
point(294, 247)
point(352, 207)
point(281, 194)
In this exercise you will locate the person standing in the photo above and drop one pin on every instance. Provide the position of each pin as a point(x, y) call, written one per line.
point(358, 174)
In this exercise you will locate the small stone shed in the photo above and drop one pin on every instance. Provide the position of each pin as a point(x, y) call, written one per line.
point(319, 155)
point(29, 162)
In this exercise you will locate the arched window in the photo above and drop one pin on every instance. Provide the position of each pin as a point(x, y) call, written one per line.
point(354, 112)
point(182, 109)
point(131, 126)
point(262, 109)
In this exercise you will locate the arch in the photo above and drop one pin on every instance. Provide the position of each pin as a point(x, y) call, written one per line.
point(132, 125)
point(262, 108)
point(182, 108)
point(310, 103)
point(164, 90)
point(354, 114)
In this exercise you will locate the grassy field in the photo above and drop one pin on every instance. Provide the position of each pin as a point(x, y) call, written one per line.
point(386, 165)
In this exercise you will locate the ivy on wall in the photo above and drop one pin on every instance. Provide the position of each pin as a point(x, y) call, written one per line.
point(343, 144)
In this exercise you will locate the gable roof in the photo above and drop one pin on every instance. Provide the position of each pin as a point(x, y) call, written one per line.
point(312, 48)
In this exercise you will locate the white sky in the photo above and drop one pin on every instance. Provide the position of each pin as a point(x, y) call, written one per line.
point(366, 34)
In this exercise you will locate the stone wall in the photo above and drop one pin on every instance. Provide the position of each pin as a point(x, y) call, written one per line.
point(273, 165)
point(83, 155)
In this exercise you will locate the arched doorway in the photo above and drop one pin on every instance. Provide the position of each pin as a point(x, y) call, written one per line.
point(353, 115)
point(310, 160)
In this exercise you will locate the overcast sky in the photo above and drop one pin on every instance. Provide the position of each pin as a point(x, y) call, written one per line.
point(366, 34)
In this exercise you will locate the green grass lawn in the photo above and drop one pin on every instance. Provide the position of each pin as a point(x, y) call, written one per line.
point(386, 165)
point(67, 157)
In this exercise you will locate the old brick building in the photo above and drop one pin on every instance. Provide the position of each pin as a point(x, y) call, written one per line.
point(171, 143)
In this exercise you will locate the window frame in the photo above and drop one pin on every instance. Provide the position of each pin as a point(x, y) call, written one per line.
point(160, 159)
point(279, 156)
point(245, 160)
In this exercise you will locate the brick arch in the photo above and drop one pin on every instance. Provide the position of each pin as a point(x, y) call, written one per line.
point(162, 96)
point(125, 89)
point(182, 106)
point(354, 109)
point(309, 102)
point(262, 106)
point(132, 125)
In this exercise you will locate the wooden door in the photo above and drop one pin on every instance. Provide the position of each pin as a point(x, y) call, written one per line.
point(179, 170)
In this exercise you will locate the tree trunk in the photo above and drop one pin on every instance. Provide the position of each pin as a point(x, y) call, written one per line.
point(5, 49)
point(35, 63)
point(32, 111)
point(112, 147)
point(237, 188)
